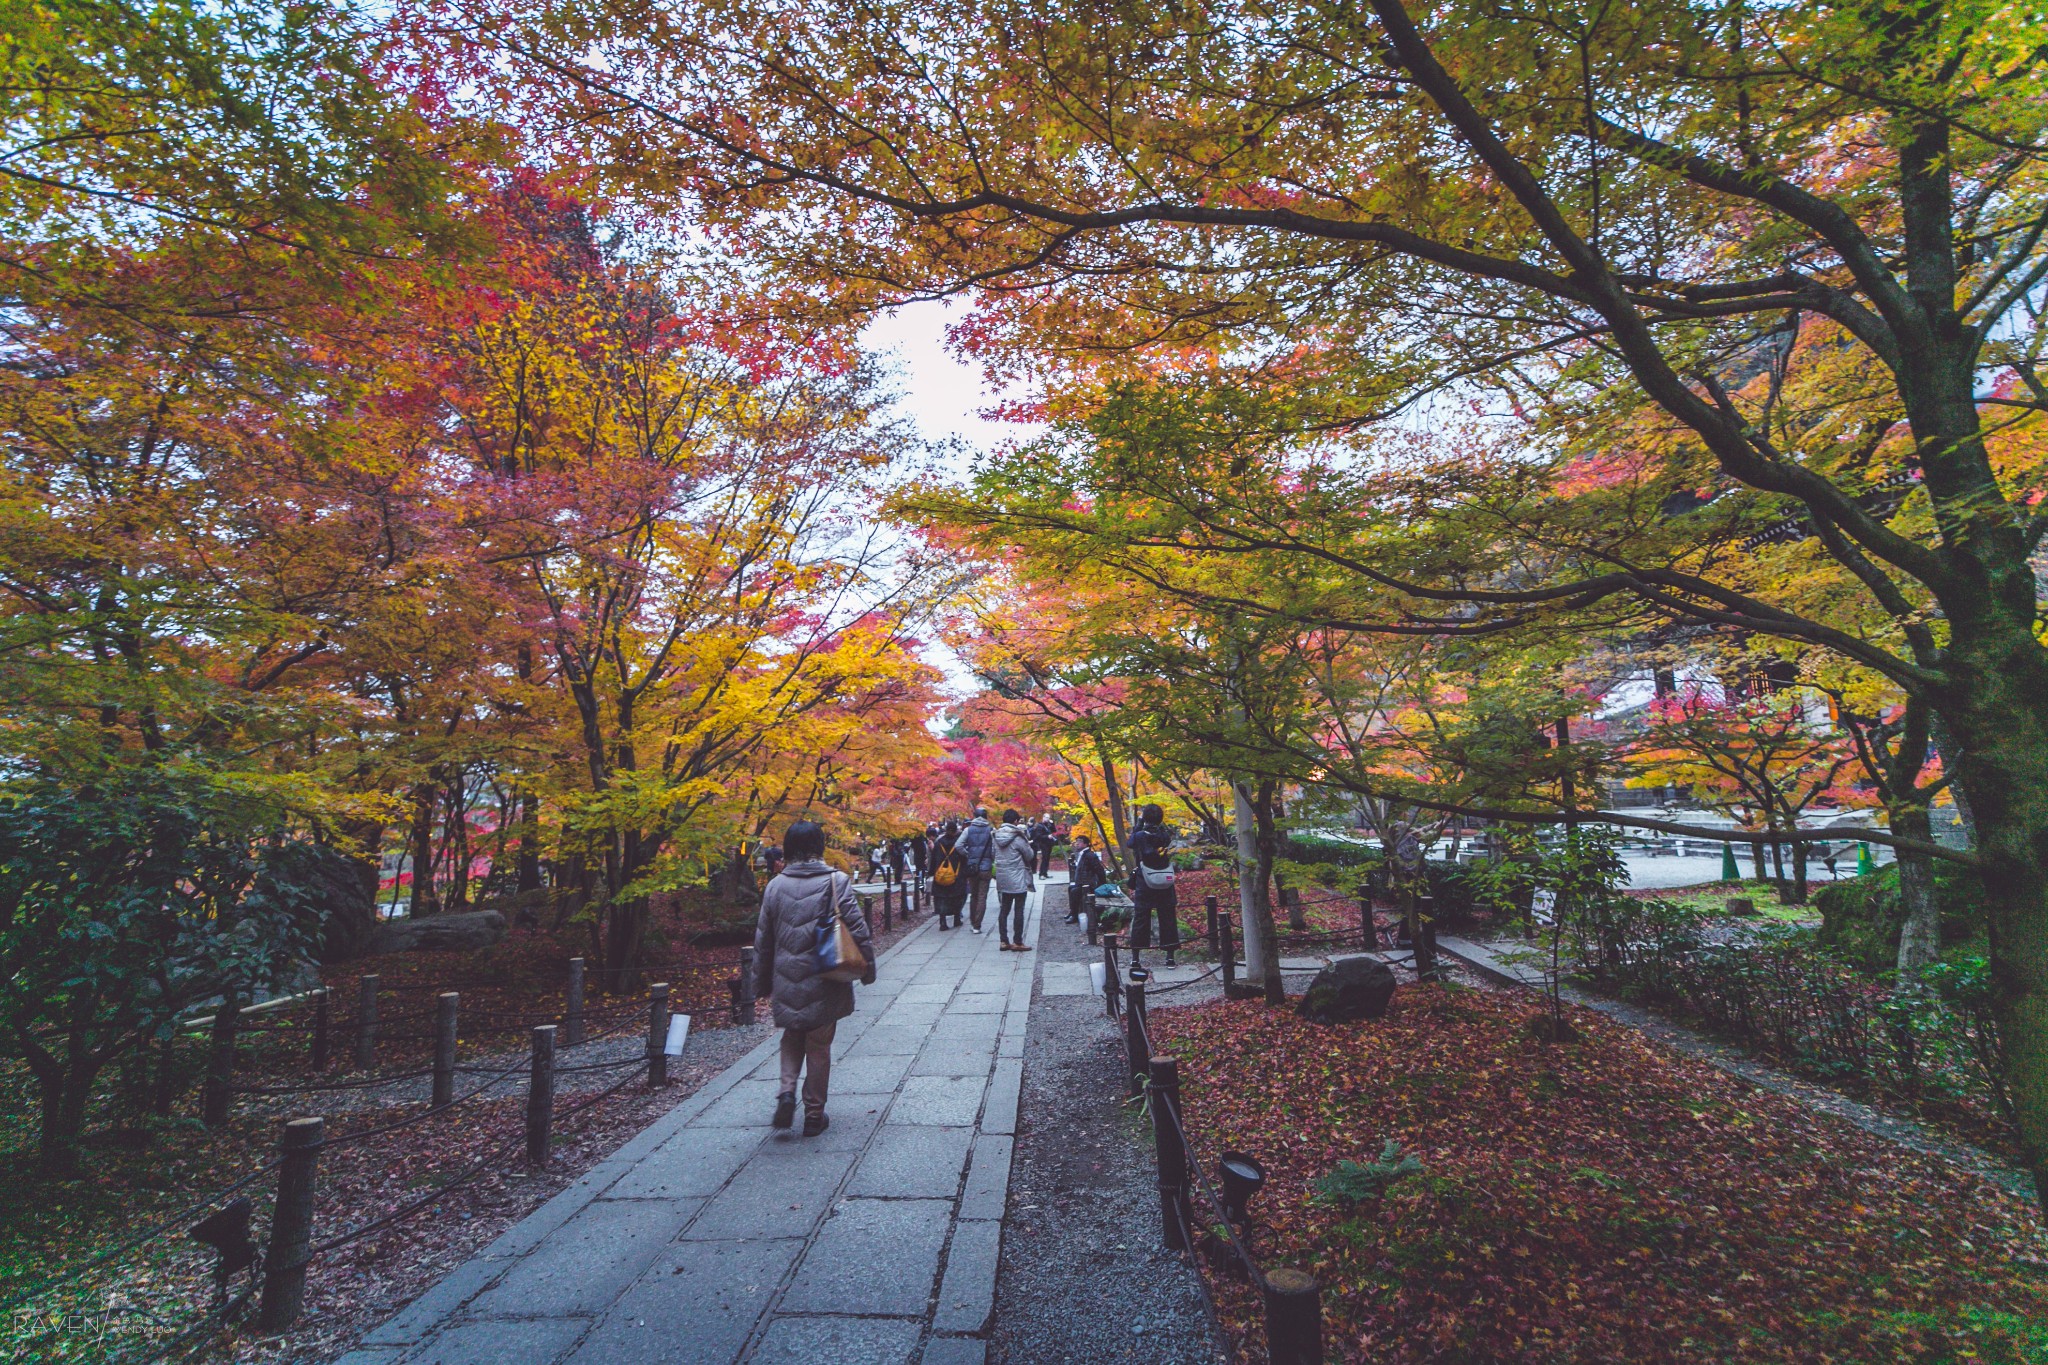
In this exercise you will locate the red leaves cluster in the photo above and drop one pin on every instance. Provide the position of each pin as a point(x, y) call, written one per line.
point(1601, 1201)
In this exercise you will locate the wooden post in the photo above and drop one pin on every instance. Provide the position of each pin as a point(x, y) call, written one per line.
point(657, 1035)
point(366, 1022)
point(1215, 941)
point(1423, 935)
point(220, 1063)
point(1094, 913)
point(1370, 934)
point(1109, 969)
point(1134, 1034)
point(1294, 1317)
point(323, 1027)
point(540, 1096)
point(1297, 918)
point(888, 902)
point(291, 1226)
point(444, 1048)
point(1173, 1158)
point(572, 1016)
point(1226, 953)
point(749, 988)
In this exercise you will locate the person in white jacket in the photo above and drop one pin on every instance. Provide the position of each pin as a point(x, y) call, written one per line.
point(1014, 880)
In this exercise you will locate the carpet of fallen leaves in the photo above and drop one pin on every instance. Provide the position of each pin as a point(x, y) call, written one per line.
point(142, 1169)
point(1604, 1200)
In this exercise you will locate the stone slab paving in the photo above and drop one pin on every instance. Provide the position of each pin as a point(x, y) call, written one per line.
point(711, 1238)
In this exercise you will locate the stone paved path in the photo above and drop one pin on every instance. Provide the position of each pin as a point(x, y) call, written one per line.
point(711, 1238)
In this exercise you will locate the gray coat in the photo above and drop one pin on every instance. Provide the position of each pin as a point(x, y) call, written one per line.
point(786, 942)
point(1013, 860)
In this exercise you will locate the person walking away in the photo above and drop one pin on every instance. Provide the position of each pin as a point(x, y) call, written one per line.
point(1084, 873)
point(897, 859)
point(920, 847)
point(977, 846)
point(807, 1004)
point(1014, 880)
point(1040, 831)
point(949, 877)
point(1152, 884)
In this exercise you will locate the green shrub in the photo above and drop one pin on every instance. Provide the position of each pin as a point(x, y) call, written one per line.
point(1861, 916)
point(1351, 1183)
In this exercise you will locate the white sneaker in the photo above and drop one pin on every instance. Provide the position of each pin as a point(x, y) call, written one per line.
point(977, 928)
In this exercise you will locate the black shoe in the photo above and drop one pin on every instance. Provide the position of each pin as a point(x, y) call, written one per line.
point(785, 1111)
point(817, 1123)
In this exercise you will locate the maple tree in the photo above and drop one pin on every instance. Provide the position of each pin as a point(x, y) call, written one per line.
point(1761, 758)
point(1674, 214)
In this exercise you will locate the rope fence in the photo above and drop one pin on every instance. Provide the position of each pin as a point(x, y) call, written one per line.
point(1292, 1298)
point(281, 1268)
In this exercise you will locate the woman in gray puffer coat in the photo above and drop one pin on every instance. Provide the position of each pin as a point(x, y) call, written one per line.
point(1014, 880)
point(807, 1006)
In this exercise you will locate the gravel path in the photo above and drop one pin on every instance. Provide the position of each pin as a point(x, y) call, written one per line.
point(1083, 1275)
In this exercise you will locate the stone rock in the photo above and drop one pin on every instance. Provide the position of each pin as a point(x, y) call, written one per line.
point(1349, 988)
point(1742, 907)
point(439, 933)
point(337, 886)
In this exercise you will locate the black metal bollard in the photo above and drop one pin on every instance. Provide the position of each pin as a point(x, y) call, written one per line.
point(366, 1022)
point(572, 1014)
point(657, 1035)
point(323, 1028)
point(1173, 1158)
point(291, 1225)
point(749, 988)
point(444, 1048)
point(1094, 913)
point(1109, 971)
point(1135, 1048)
point(888, 905)
point(220, 1063)
point(1294, 1317)
point(540, 1096)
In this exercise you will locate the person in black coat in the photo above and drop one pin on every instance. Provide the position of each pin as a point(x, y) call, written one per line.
point(1152, 893)
point(1041, 845)
point(1084, 874)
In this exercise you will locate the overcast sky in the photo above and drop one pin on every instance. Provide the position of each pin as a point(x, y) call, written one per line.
point(942, 393)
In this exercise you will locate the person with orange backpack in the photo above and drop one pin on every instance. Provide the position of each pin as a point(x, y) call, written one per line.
point(950, 876)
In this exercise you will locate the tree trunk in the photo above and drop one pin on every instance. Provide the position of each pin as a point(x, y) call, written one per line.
point(1258, 945)
point(2002, 726)
point(1255, 819)
point(1756, 858)
point(422, 843)
point(1920, 933)
point(529, 844)
point(1113, 794)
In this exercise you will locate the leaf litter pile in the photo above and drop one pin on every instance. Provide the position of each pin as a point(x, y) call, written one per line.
point(1601, 1200)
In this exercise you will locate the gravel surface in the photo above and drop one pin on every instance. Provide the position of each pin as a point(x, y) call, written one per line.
point(1083, 1275)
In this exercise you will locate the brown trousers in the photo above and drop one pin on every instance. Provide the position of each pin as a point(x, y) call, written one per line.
point(808, 1051)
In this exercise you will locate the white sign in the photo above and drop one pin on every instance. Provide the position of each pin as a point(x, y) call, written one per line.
point(1543, 907)
point(678, 1030)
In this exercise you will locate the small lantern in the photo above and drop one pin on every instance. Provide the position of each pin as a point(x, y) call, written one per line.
point(1241, 1176)
point(227, 1232)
